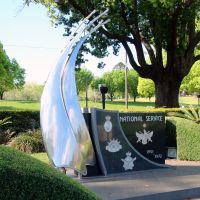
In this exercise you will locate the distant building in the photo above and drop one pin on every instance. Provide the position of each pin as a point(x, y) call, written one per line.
point(118, 66)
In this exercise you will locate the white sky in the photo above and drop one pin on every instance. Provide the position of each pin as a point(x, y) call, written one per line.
point(28, 36)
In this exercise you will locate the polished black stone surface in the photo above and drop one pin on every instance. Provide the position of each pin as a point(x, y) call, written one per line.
point(139, 124)
point(92, 170)
point(114, 151)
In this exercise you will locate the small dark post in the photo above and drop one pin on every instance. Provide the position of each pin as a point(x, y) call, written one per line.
point(103, 89)
point(86, 93)
point(198, 96)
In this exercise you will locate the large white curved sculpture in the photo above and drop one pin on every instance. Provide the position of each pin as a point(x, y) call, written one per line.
point(64, 130)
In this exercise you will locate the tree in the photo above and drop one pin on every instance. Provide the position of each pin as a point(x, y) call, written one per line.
point(115, 81)
point(118, 78)
point(108, 80)
point(146, 88)
point(11, 74)
point(132, 80)
point(149, 27)
point(133, 83)
point(30, 92)
point(96, 82)
point(83, 79)
point(191, 83)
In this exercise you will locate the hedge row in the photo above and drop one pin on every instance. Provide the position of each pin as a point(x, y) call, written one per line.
point(188, 140)
point(21, 120)
point(187, 135)
point(151, 109)
point(23, 177)
point(170, 131)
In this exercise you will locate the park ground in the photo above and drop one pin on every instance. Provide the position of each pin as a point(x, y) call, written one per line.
point(141, 104)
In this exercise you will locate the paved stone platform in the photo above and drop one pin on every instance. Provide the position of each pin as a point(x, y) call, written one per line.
point(180, 181)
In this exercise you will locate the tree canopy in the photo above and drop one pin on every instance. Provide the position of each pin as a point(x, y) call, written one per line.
point(11, 74)
point(191, 83)
point(83, 79)
point(147, 27)
point(146, 88)
point(133, 83)
point(115, 81)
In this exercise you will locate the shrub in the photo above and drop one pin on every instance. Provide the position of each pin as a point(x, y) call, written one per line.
point(23, 177)
point(21, 120)
point(190, 113)
point(25, 143)
point(30, 142)
point(188, 137)
point(151, 109)
point(170, 131)
point(4, 121)
point(6, 136)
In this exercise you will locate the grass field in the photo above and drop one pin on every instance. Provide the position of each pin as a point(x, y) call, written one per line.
point(19, 105)
point(42, 157)
point(141, 104)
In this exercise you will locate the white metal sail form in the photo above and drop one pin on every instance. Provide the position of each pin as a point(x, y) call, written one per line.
point(64, 130)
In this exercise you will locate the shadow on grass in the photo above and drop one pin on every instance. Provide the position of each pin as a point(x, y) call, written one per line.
point(131, 103)
point(31, 101)
point(5, 108)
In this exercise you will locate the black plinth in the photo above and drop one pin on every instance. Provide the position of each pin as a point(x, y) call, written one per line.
point(146, 132)
point(113, 150)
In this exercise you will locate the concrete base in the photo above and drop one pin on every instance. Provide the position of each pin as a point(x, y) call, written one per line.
point(181, 181)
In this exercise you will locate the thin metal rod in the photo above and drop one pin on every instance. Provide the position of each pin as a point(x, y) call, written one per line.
point(126, 84)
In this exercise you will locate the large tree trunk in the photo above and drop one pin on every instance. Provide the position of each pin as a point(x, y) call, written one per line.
point(167, 92)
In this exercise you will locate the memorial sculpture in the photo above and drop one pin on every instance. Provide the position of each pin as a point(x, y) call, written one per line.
point(66, 137)
point(115, 153)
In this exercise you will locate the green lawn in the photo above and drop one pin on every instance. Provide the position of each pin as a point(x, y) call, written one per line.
point(141, 104)
point(19, 105)
point(42, 157)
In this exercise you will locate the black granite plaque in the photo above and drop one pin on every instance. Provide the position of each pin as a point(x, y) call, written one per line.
point(115, 153)
point(92, 170)
point(146, 132)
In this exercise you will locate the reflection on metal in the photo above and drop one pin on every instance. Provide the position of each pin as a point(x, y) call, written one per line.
point(64, 131)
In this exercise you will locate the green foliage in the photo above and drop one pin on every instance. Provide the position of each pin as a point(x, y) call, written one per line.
point(11, 74)
point(191, 83)
point(118, 81)
point(108, 80)
point(4, 121)
point(42, 156)
point(30, 92)
point(133, 83)
point(25, 143)
point(186, 134)
point(96, 82)
point(83, 78)
point(190, 113)
point(158, 26)
point(115, 81)
point(5, 136)
point(188, 138)
point(23, 177)
point(146, 88)
point(7, 105)
point(28, 142)
point(22, 121)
